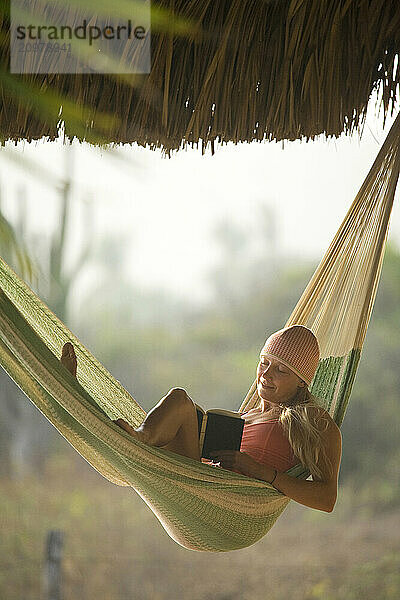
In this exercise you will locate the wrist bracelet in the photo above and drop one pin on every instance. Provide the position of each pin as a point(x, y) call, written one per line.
point(274, 477)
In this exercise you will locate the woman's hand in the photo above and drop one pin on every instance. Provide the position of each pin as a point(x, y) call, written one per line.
point(233, 460)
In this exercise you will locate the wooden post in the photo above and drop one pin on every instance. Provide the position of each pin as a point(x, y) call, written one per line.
point(52, 567)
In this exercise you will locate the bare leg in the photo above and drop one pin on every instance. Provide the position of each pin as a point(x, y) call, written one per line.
point(171, 424)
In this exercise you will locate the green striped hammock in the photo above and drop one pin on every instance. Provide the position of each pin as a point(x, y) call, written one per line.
point(202, 507)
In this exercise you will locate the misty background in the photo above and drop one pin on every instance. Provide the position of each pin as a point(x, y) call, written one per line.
point(173, 272)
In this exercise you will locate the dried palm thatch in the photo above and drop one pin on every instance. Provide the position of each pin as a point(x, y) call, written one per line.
point(247, 70)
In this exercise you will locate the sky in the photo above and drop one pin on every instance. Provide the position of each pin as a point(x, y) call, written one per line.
point(166, 210)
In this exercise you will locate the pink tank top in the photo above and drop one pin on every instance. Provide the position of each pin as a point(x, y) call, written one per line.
point(267, 444)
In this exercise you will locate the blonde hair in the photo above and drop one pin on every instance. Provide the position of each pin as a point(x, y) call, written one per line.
point(303, 430)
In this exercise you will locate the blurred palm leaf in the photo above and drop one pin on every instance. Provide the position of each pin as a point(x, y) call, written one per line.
point(14, 250)
point(37, 104)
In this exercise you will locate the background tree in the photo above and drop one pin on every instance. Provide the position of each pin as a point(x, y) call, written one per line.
point(25, 436)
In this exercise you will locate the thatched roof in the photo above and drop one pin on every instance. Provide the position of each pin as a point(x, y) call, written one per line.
point(253, 70)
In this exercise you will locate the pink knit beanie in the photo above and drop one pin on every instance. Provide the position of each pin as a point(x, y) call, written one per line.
point(297, 348)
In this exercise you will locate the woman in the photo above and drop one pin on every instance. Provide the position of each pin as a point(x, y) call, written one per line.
point(287, 427)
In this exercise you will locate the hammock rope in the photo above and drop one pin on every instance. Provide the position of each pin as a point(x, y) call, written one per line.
point(201, 507)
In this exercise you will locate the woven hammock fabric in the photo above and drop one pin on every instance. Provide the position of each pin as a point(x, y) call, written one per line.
point(201, 507)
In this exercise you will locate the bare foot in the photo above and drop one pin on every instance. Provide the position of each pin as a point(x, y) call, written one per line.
point(138, 434)
point(124, 425)
point(68, 358)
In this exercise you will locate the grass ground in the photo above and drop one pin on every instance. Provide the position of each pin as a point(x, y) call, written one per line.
point(116, 550)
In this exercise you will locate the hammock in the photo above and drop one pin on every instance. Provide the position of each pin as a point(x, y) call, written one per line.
point(203, 507)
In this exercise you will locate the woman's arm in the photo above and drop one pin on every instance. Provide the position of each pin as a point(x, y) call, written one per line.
point(320, 494)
